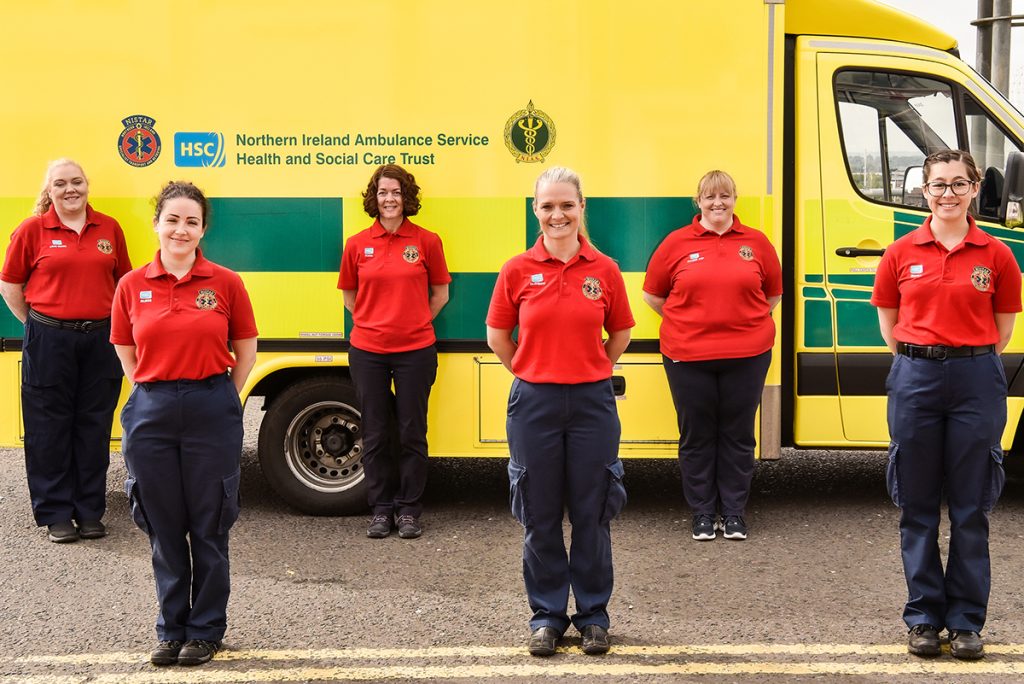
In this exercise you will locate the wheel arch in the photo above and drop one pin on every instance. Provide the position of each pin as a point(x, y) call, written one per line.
point(275, 379)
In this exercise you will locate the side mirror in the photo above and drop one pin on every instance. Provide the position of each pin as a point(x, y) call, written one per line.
point(913, 192)
point(1011, 210)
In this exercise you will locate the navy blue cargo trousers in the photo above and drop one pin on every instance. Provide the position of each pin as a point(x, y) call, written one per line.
point(946, 419)
point(564, 444)
point(70, 381)
point(182, 447)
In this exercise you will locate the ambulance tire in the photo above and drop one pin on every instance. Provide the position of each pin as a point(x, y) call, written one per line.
point(310, 447)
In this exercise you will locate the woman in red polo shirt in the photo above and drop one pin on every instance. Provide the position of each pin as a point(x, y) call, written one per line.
point(395, 281)
point(563, 425)
point(715, 283)
point(58, 279)
point(171, 323)
point(947, 296)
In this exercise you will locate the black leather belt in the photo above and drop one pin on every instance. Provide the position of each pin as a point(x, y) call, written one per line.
point(940, 352)
point(209, 381)
point(81, 326)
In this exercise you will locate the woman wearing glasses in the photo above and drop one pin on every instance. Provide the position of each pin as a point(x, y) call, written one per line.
point(947, 295)
point(395, 281)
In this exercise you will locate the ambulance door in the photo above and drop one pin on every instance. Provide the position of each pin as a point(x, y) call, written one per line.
point(879, 117)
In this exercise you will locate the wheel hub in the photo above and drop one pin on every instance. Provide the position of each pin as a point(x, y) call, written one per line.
point(324, 446)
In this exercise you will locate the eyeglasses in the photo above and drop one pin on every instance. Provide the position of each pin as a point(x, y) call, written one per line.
point(959, 188)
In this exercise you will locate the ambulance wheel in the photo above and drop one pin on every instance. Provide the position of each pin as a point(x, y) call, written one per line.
point(311, 447)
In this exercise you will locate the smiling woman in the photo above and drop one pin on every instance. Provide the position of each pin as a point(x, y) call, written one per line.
point(394, 280)
point(947, 295)
point(715, 283)
point(179, 225)
point(172, 322)
point(563, 295)
point(58, 279)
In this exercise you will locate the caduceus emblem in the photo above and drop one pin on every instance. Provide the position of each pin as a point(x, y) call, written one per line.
point(530, 126)
point(529, 134)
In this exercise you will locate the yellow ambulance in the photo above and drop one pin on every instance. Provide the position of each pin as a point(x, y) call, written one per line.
point(823, 110)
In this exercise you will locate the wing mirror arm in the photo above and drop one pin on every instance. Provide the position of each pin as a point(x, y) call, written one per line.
point(1011, 209)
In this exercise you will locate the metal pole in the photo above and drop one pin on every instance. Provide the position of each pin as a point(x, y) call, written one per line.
point(1001, 46)
point(984, 47)
point(979, 132)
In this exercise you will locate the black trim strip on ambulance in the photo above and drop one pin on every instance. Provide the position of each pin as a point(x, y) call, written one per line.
point(333, 345)
point(786, 332)
point(863, 375)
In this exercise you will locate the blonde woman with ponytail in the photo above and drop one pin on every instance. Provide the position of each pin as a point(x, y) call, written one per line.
point(563, 425)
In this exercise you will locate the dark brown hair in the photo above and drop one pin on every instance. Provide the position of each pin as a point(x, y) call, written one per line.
point(176, 189)
point(410, 191)
point(946, 156)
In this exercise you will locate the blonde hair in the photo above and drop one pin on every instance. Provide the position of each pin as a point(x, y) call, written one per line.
point(561, 174)
point(714, 181)
point(44, 202)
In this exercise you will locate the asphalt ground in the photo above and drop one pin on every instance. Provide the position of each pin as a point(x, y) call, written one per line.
point(815, 593)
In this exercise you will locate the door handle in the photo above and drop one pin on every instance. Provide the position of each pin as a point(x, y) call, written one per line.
point(858, 252)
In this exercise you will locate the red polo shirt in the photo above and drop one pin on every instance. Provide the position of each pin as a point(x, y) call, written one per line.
point(66, 274)
point(716, 289)
point(947, 297)
point(391, 274)
point(181, 328)
point(560, 310)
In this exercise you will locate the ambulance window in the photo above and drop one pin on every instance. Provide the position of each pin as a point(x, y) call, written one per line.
point(990, 146)
point(890, 122)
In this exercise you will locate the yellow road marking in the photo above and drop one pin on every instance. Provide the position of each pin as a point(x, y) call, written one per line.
point(117, 658)
point(588, 668)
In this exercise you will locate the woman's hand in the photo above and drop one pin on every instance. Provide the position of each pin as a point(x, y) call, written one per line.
point(616, 344)
point(245, 359)
point(1004, 324)
point(129, 360)
point(501, 343)
point(655, 302)
point(14, 295)
point(438, 298)
point(886, 322)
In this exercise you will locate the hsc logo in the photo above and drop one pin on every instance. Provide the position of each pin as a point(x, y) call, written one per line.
point(199, 149)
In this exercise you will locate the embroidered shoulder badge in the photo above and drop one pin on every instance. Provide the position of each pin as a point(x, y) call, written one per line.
point(104, 246)
point(411, 254)
point(981, 278)
point(592, 288)
point(746, 253)
point(206, 299)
